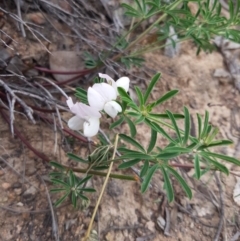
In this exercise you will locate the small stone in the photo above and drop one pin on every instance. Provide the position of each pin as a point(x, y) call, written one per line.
point(32, 190)
point(30, 170)
point(192, 225)
point(151, 226)
point(18, 191)
point(6, 185)
point(2, 173)
point(19, 204)
point(161, 222)
point(37, 18)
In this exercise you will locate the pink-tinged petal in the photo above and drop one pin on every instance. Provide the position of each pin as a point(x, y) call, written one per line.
point(112, 108)
point(91, 127)
point(106, 91)
point(70, 102)
point(124, 83)
point(95, 99)
point(107, 77)
point(75, 123)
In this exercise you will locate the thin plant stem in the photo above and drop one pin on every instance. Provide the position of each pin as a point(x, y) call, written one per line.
point(102, 191)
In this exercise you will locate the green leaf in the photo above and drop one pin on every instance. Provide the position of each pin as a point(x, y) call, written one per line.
point(132, 127)
point(136, 155)
point(57, 190)
point(168, 185)
point(197, 167)
point(83, 197)
point(132, 142)
point(82, 95)
point(59, 201)
point(88, 190)
point(139, 95)
point(220, 156)
point(85, 179)
point(165, 97)
point(117, 123)
point(148, 177)
point(172, 149)
point(167, 156)
point(218, 165)
point(199, 118)
point(216, 143)
point(77, 158)
point(144, 169)
point(128, 164)
point(60, 182)
point(182, 182)
point(124, 94)
point(165, 116)
point(187, 125)
point(151, 86)
point(205, 125)
point(160, 130)
point(152, 141)
point(57, 165)
point(72, 179)
point(74, 199)
point(171, 117)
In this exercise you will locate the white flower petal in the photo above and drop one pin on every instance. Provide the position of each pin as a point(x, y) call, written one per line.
point(70, 102)
point(95, 99)
point(124, 83)
point(91, 127)
point(106, 91)
point(112, 108)
point(75, 123)
point(105, 76)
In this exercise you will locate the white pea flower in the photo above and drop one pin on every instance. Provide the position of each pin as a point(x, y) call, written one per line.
point(102, 97)
point(122, 82)
point(86, 118)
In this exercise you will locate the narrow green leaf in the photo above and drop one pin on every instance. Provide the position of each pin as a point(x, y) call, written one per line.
point(117, 123)
point(85, 179)
point(128, 164)
point(151, 86)
point(136, 155)
point(160, 130)
point(152, 141)
point(176, 149)
point(76, 158)
point(144, 169)
point(197, 167)
point(88, 190)
point(205, 125)
point(132, 127)
point(165, 116)
point(187, 124)
point(60, 182)
point(57, 165)
point(218, 165)
point(139, 95)
point(165, 97)
point(72, 179)
point(57, 190)
point(59, 201)
point(167, 156)
point(74, 199)
point(148, 177)
point(182, 182)
point(216, 143)
point(132, 142)
point(168, 185)
point(124, 94)
point(83, 197)
point(199, 118)
point(171, 117)
point(220, 156)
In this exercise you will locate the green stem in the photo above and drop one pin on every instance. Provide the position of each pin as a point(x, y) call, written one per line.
point(102, 174)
